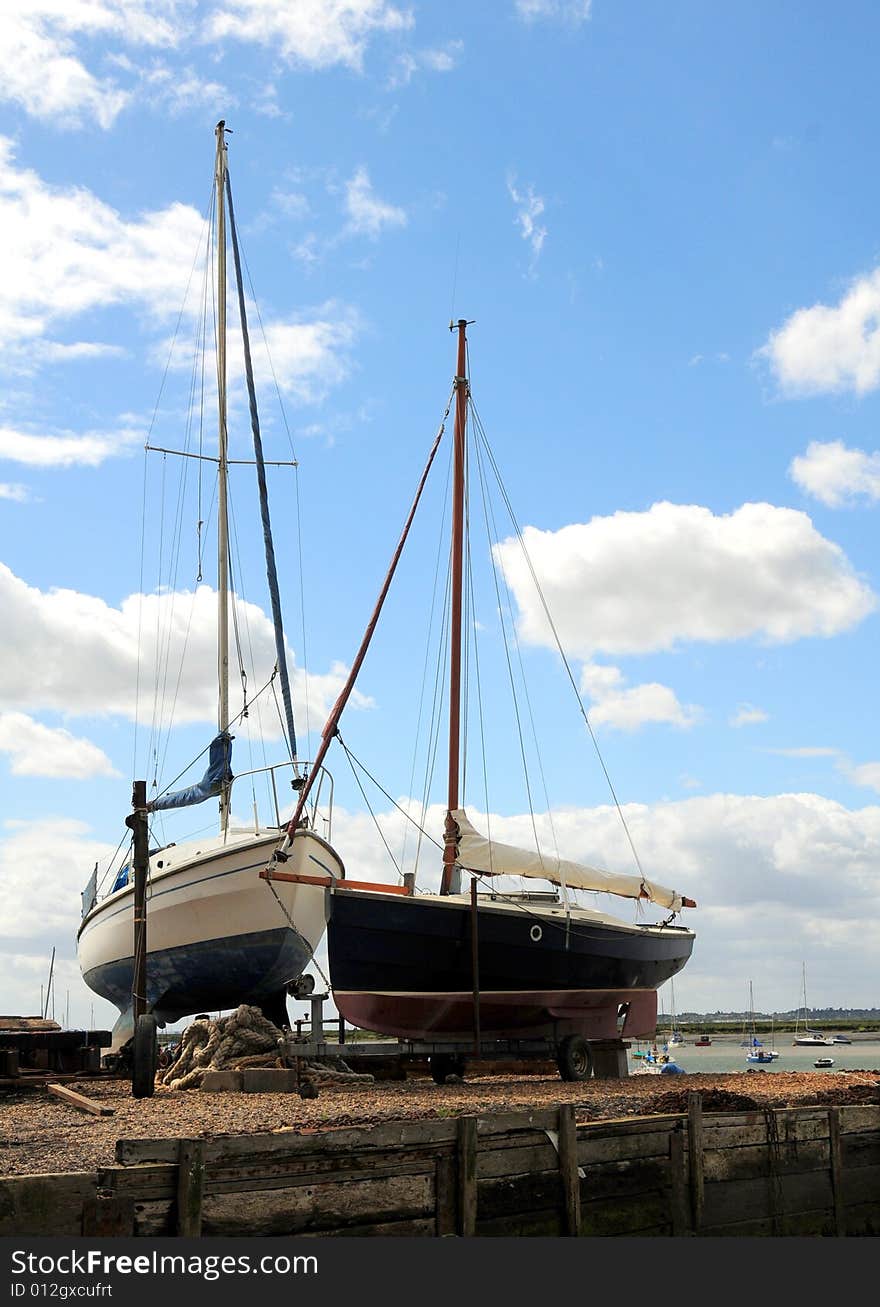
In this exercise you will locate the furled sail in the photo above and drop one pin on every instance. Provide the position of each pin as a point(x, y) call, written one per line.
point(218, 775)
point(476, 853)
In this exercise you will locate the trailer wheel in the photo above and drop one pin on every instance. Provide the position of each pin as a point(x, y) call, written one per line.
point(574, 1059)
point(146, 1056)
point(444, 1065)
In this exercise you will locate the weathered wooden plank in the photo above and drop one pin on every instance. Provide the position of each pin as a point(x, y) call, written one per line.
point(568, 1170)
point(230, 1148)
point(617, 1179)
point(417, 1228)
point(511, 1194)
point(739, 1200)
point(679, 1204)
point(854, 1119)
point(446, 1196)
point(467, 1175)
point(836, 1168)
point(190, 1187)
point(804, 1223)
point(860, 1149)
point(756, 1160)
point(45, 1204)
point(863, 1219)
point(108, 1214)
point(496, 1161)
point(618, 1146)
point(695, 1158)
point(860, 1186)
point(522, 1224)
point(79, 1101)
point(626, 1216)
point(330, 1206)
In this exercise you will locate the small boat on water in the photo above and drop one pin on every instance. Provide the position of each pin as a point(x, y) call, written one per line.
point(840, 1039)
point(703, 1042)
point(806, 1038)
point(756, 1050)
point(658, 1064)
point(824, 1061)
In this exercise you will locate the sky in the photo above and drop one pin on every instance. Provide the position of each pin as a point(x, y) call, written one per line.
point(661, 221)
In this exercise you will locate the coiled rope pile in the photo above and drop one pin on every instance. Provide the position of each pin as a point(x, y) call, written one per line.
point(245, 1038)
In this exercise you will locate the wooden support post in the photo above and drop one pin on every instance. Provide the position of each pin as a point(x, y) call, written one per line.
point(836, 1162)
point(695, 1158)
point(190, 1187)
point(467, 1175)
point(137, 823)
point(569, 1170)
point(678, 1179)
point(444, 1196)
point(79, 1101)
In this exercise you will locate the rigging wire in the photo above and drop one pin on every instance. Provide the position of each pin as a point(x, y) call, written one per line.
point(558, 643)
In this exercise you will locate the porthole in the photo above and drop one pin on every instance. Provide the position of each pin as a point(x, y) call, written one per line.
point(536, 933)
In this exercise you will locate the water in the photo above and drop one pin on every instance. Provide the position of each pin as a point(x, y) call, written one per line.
point(725, 1055)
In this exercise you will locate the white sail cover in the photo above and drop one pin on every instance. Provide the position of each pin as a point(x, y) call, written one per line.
point(476, 853)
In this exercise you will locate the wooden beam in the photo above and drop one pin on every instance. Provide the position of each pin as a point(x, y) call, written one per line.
point(695, 1158)
point(300, 878)
point(190, 1187)
point(836, 1162)
point(568, 1169)
point(79, 1101)
point(467, 1175)
point(681, 1225)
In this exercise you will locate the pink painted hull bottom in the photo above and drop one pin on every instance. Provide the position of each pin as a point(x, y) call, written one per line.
point(596, 1014)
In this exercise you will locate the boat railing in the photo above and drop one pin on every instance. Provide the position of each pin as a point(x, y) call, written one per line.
point(323, 786)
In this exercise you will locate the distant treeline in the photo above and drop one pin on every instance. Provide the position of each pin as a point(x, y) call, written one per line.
point(813, 1014)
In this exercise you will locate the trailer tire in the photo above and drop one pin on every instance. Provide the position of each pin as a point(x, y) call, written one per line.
point(444, 1065)
point(146, 1056)
point(574, 1059)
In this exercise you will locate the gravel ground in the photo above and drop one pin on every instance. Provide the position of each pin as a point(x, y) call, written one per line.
point(39, 1134)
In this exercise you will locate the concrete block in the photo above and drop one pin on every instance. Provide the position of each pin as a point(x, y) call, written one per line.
point(269, 1080)
point(219, 1082)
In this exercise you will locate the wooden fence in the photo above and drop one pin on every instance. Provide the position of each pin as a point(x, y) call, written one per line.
point(795, 1171)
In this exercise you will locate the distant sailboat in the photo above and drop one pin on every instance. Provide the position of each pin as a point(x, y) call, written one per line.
point(805, 1037)
point(757, 1052)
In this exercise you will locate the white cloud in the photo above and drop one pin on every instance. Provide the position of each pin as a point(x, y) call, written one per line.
point(836, 475)
point(441, 60)
point(748, 715)
point(367, 214)
point(178, 89)
point(66, 253)
point(306, 357)
point(39, 890)
point(12, 490)
point(42, 71)
point(74, 653)
point(313, 33)
point(831, 348)
point(38, 750)
point(529, 207)
point(68, 450)
point(569, 11)
point(637, 582)
point(626, 708)
point(866, 774)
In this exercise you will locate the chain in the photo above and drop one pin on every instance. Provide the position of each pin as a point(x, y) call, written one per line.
point(300, 935)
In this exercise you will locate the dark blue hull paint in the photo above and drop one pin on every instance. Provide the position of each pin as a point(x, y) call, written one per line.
point(209, 976)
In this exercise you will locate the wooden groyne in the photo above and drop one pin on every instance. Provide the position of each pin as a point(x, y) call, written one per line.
point(790, 1171)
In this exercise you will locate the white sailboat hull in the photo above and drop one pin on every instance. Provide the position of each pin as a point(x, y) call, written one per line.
point(216, 933)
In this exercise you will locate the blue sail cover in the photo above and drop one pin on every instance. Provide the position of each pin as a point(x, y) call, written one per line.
point(218, 775)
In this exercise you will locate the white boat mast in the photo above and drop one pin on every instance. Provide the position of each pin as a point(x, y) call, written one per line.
point(222, 468)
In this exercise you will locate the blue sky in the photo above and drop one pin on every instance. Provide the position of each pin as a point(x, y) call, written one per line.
point(662, 221)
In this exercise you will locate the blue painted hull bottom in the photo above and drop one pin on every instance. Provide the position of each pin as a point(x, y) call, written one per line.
point(207, 976)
